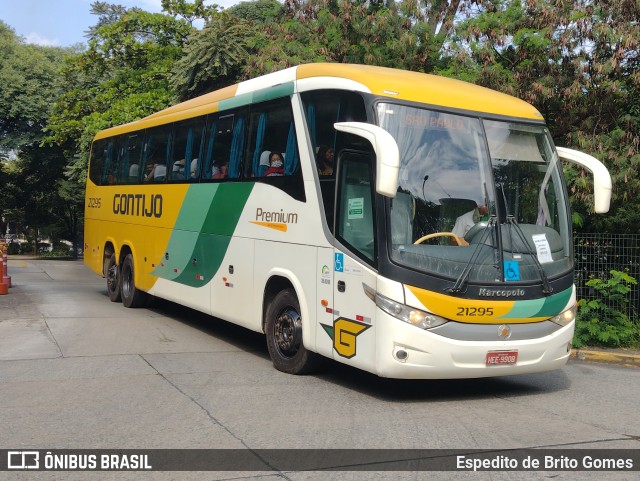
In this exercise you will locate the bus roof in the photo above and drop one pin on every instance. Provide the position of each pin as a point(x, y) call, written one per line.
point(425, 88)
point(385, 82)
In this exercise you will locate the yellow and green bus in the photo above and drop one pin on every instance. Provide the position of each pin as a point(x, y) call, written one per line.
point(409, 225)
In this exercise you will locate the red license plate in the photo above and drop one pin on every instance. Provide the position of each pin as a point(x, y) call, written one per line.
point(495, 358)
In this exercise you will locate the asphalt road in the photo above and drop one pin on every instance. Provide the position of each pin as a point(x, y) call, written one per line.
point(77, 371)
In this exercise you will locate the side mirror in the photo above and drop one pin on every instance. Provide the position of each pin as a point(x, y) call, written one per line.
point(601, 176)
point(387, 154)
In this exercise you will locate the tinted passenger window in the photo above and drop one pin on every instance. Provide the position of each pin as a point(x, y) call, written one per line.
point(98, 158)
point(273, 150)
point(325, 108)
point(157, 151)
point(218, 150)
point(187, 149)
point(129, 154)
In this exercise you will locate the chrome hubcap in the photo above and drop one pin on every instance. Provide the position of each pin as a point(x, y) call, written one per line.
point(112, 276)
point(288, 331)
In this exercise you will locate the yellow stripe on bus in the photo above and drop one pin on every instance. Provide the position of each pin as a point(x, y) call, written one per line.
point(473, 311)
point(271, 225)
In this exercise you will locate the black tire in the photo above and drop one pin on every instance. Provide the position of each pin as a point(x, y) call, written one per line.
point(111, 272)
point(131, 296)
point(283, 328)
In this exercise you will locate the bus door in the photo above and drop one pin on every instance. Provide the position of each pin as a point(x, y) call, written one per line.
point(354, 311)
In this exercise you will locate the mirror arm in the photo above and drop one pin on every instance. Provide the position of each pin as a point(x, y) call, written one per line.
point(386, 150)
point(601, 176)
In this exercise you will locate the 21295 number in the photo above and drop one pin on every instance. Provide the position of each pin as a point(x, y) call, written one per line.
point(475, 311)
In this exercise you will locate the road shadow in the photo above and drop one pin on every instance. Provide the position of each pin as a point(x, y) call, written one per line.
point(242, 338)
point(391, 390)
point(439, 390)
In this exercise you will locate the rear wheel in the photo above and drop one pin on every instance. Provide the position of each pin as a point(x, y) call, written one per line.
point(113, 278)
point(131, 297)
point(283, 328)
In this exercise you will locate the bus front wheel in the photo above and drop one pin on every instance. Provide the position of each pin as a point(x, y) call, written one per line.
point(131, 297)
point(283, 328)
point(113, 278)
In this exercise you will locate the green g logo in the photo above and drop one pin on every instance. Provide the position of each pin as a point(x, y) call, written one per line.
point(344, 333)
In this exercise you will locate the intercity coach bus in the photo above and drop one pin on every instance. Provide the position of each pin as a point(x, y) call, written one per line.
point(409, 225)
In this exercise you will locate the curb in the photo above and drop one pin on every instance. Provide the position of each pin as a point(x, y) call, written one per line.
point(622, 358)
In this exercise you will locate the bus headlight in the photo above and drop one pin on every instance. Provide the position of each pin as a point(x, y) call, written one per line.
point(410, 315)
point(565, 317)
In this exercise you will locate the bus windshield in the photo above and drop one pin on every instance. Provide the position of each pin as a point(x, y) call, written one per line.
point(483, 199)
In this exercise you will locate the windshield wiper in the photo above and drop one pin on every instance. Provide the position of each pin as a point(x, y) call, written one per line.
point(462, 279)
point(511, 220)
point(546, 287)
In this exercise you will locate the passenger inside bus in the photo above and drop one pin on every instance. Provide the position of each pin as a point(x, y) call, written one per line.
point(219, 171)
point(178, 170)
point(155, 173)
point(324, 160)
point(276, 165)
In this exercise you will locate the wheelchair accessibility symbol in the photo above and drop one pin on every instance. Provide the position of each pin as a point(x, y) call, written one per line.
point(511, 271)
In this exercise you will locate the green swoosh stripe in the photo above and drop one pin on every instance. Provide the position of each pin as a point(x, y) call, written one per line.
point(262, 95)
point(547, 307)
point(207, 219)
point(553, 305)
point(524, 309)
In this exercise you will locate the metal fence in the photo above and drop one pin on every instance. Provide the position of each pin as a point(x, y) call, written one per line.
point(597, 254)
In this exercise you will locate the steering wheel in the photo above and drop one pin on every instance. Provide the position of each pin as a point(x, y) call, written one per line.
point(458, 240)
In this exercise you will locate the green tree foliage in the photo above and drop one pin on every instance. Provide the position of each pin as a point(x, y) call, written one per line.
point(31, 199)
point(122, 76)
point(28, 75)
point(603, 321)
point(189, 11)
point(213, 57)
point(406, 34)
point(216, 56)
point(28, 87)
point(107, 14)
point(259, 11)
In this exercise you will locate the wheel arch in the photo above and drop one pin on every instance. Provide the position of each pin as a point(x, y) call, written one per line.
point(128, 248)
point(108, 251)
point(110, 248)
point(278, 280)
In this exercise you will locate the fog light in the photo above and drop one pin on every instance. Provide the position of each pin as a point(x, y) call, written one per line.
point(401, 355)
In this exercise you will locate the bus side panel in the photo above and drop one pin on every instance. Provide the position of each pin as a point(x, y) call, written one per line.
point(94, 245)
point(232, 287)
point(354, 328)
point(144, 216)
point(324, 306)
point(93, 230)
point(198, 298)
point(297, 263)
